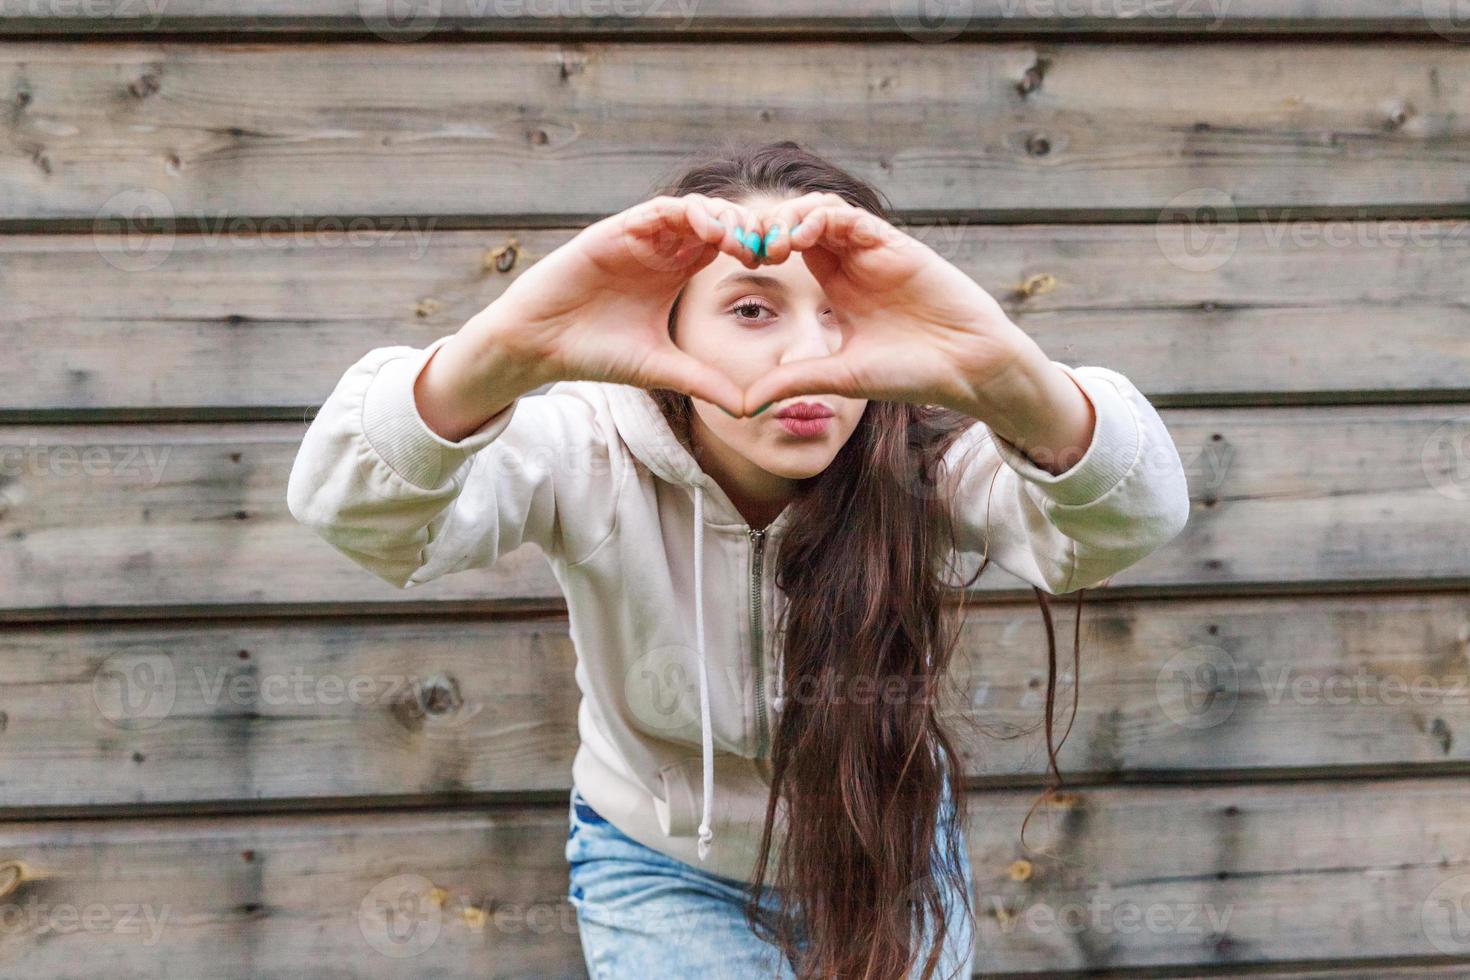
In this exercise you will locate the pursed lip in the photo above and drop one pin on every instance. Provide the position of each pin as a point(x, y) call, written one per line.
point(805, 410)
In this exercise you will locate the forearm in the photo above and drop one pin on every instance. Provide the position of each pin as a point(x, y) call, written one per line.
point(474, 375)
point(1038, 408)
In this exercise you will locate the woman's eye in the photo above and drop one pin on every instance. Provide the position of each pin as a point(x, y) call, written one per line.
point(749, 306)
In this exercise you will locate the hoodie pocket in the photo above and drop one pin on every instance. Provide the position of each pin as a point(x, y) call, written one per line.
point(678, 811)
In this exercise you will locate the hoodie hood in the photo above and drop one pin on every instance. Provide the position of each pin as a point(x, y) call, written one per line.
point(649, 438)
point(647, 434)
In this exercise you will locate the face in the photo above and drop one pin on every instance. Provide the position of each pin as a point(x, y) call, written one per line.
point(746, 322)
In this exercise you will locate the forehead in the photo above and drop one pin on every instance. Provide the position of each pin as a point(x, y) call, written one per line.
point(727, 273)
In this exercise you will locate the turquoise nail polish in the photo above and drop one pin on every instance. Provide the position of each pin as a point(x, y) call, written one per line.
point(771, 236)
point(761, 409)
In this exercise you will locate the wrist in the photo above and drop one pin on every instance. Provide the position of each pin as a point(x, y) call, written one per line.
point(498, 347)
point(472, 376)
point(1037, 407)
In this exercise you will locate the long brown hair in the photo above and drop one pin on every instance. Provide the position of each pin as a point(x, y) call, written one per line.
point(863, 867)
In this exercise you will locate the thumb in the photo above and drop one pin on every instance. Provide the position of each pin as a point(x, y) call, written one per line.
point(670, 367)
point(809, 376)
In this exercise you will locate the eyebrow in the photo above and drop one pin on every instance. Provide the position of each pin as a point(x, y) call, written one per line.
point(751, 278)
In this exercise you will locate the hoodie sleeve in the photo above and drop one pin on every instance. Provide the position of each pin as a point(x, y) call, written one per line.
point(380, 486)
point(1124, 499)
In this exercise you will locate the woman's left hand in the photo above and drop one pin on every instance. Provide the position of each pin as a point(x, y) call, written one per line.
point(916, 329)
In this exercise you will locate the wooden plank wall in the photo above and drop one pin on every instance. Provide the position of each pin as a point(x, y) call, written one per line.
point(224, 749)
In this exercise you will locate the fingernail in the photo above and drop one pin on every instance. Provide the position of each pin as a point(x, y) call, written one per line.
point(727, 411)
point(761, 409)
point(771, 236)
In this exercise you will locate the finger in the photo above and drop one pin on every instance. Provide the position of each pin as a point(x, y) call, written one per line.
point(694, 213)
point(776, 233)
point(664, 235)
point(700, 216)
point(809, 376)
point(670, 367)
point(787, 215)
point(733, 221)
point(744, 236)
point(702, 213)
point(696, 256)
point(841, 228)
point(657, 214)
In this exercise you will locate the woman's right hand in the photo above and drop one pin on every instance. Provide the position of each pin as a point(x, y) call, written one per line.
point(596, 308)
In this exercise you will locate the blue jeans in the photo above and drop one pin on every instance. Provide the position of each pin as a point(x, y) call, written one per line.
point(642, 914)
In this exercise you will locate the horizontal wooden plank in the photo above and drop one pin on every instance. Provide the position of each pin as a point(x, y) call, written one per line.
point(156, 713)
point(291, 897)
point(140, 519)
point(1117, 879)
point(127, 714)
point(911, 17)
point(1381, 970)
point(505, 133)
point(1216, 687)
point(1154, 877)
point(255, 325)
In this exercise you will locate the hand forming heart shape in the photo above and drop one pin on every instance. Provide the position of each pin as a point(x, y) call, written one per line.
point(921, 330)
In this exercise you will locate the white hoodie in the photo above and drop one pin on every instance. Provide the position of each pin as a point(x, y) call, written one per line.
point(673, 628)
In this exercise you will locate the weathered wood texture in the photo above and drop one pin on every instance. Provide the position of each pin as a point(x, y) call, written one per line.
point(913, 18)
point(120, 519)
point(260, 325)
point(198, 235)
point(1107, 878)
point(314, 133)
point(331, 710)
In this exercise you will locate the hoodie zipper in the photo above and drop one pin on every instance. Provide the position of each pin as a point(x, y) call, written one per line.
point(757, 543)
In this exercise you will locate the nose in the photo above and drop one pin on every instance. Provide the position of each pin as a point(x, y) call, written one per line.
point(812, 335)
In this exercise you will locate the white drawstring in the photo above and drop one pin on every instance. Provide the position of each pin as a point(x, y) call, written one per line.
point(706, 832)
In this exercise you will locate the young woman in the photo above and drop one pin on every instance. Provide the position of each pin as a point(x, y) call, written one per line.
point(776, 430)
